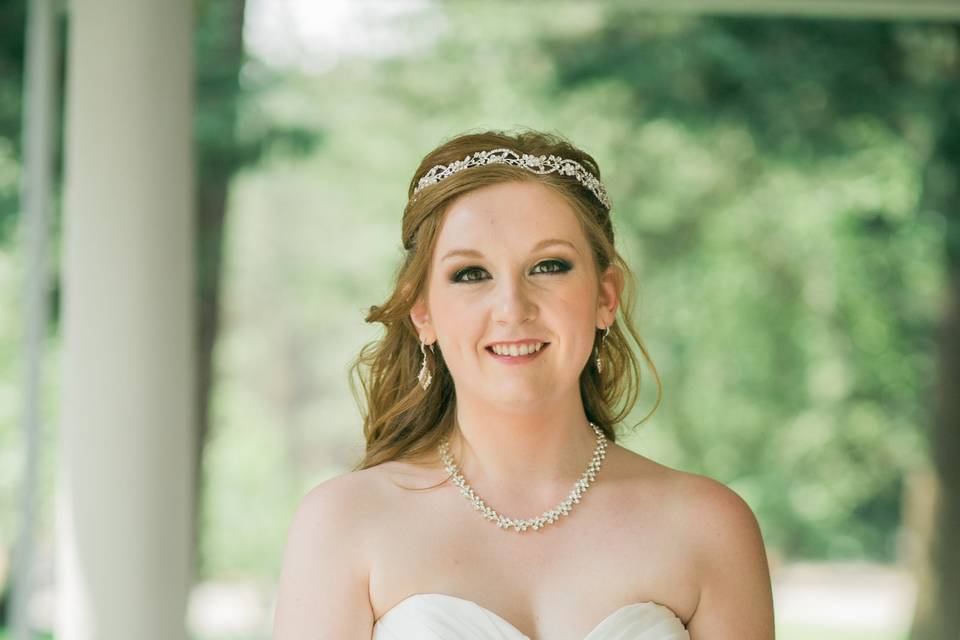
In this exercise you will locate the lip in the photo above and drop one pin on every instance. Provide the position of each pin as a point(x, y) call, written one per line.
point(530, 357)
point(517, 342)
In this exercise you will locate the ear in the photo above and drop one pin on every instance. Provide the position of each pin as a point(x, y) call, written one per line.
point(421, 320)
point(611, 288)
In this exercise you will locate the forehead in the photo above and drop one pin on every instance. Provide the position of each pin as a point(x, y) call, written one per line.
point(505, 214)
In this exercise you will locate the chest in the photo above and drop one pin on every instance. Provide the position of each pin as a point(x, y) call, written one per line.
point(558, 582)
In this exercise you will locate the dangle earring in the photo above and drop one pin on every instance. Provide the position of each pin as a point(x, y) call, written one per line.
point(599, 363)
point(424, 376)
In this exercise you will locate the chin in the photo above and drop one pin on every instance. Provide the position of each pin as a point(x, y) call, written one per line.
point(523, 400)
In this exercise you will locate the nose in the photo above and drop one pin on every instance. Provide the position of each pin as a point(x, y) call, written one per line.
point(513, 303)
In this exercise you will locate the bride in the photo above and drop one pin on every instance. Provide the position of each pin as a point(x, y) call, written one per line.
point(492, 501)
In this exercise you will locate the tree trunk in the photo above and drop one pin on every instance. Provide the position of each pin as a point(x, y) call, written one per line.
point(937, 614)
point(221, 50)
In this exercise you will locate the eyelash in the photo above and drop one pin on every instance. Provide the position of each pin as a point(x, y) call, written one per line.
point(564, 267)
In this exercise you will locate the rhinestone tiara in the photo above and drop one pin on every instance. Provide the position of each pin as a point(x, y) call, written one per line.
point(536, 164)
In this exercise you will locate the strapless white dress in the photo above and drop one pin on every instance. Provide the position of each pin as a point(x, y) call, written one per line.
point(437, 616)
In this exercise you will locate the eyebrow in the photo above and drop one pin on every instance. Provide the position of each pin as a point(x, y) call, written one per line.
point(476, 254)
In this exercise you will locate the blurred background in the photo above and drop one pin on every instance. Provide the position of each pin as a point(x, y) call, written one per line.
point(176, 323)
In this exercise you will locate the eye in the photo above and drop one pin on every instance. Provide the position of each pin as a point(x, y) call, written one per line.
point(560, 266)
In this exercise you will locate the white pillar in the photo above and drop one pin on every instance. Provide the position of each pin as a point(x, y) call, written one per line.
point(123, 509)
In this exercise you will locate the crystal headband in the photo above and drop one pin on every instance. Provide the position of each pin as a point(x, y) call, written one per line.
point(536, 164)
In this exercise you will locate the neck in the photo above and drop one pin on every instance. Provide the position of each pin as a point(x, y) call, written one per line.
point(522, 461)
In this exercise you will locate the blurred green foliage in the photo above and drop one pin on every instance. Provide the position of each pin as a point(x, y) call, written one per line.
point(768, 181)
point(12, 20)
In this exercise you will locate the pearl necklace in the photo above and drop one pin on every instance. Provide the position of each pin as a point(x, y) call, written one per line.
point(548, 517)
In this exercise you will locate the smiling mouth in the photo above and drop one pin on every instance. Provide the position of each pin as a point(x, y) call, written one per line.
point(518, 358)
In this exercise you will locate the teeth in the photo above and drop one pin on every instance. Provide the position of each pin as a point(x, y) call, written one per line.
point(514, 350)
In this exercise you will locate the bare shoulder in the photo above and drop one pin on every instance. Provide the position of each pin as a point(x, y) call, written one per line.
point(323, 587)
point(345, 501)
point(736, 599)
point(666, 482)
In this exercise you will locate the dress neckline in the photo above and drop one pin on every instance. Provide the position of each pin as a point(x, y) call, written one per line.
point(599, 626)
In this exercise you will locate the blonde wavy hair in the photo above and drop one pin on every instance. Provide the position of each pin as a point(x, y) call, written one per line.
point(404, 422)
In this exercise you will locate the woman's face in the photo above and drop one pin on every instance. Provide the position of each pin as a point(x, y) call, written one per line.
point(497, 276)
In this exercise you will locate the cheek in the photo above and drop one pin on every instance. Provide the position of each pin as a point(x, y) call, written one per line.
point(459, 320)
point(578, 305)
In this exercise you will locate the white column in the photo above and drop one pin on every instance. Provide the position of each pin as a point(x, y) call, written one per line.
point(124, 498)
